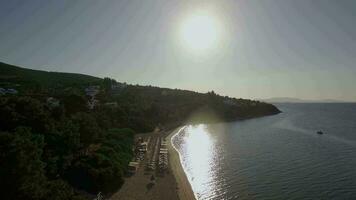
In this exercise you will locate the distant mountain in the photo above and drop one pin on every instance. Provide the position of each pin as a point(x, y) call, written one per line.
point(296, 100)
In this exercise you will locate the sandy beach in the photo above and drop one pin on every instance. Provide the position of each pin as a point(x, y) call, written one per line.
point(185, 191)
point(172, 185)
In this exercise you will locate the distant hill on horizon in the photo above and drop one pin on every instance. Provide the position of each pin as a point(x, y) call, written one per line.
point(297, 100)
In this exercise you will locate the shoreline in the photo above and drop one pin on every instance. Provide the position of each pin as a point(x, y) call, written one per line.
point(184, 189)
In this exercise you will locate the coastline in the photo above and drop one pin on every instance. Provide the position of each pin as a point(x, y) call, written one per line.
point(184, 189)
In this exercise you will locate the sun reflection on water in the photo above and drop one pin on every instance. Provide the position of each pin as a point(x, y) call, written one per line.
point(199, 154)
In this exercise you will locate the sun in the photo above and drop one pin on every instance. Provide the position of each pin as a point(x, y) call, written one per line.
point(200, 31)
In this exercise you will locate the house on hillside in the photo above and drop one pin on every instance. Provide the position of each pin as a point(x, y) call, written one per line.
point(4, 91)
point(92, 90)
point(12, 91)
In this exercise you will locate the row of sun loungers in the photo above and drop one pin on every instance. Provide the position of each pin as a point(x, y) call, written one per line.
point(151, 165)
point(163, 156)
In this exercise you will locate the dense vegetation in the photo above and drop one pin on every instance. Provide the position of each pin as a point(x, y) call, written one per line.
point(67, 150)
point(45, 153)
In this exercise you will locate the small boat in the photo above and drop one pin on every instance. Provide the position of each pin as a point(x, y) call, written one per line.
point(320, 132)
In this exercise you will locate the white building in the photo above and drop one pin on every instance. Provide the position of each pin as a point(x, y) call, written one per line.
point(92, 90)
point(4, 91)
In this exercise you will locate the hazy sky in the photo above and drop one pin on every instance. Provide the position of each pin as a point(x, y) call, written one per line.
point(266, 48)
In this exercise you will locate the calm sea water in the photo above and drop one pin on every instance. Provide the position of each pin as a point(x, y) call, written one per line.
point(275, 157)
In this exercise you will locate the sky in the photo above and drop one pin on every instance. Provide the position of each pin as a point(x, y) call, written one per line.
point(264, 48)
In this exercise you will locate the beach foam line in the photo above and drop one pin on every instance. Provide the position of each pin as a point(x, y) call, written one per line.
point(185, 190)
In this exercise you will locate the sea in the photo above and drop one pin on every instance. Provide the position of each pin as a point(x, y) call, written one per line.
point(274, 157)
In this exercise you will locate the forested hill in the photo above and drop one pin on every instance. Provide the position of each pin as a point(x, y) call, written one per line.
point(66, 136)
point(29, 78)
point(146, 106)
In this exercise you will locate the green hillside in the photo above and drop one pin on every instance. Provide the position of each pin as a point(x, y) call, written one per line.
point(13, 76)
point(145, 107)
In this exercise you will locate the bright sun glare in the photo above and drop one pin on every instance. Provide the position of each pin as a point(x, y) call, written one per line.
point(200, 31)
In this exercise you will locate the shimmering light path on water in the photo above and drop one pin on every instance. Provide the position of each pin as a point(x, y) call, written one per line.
point(275, 157)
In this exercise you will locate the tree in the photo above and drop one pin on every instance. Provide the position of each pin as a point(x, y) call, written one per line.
point(24, 111)
point(74, 103)
point(89, 130)
point(21, 171)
